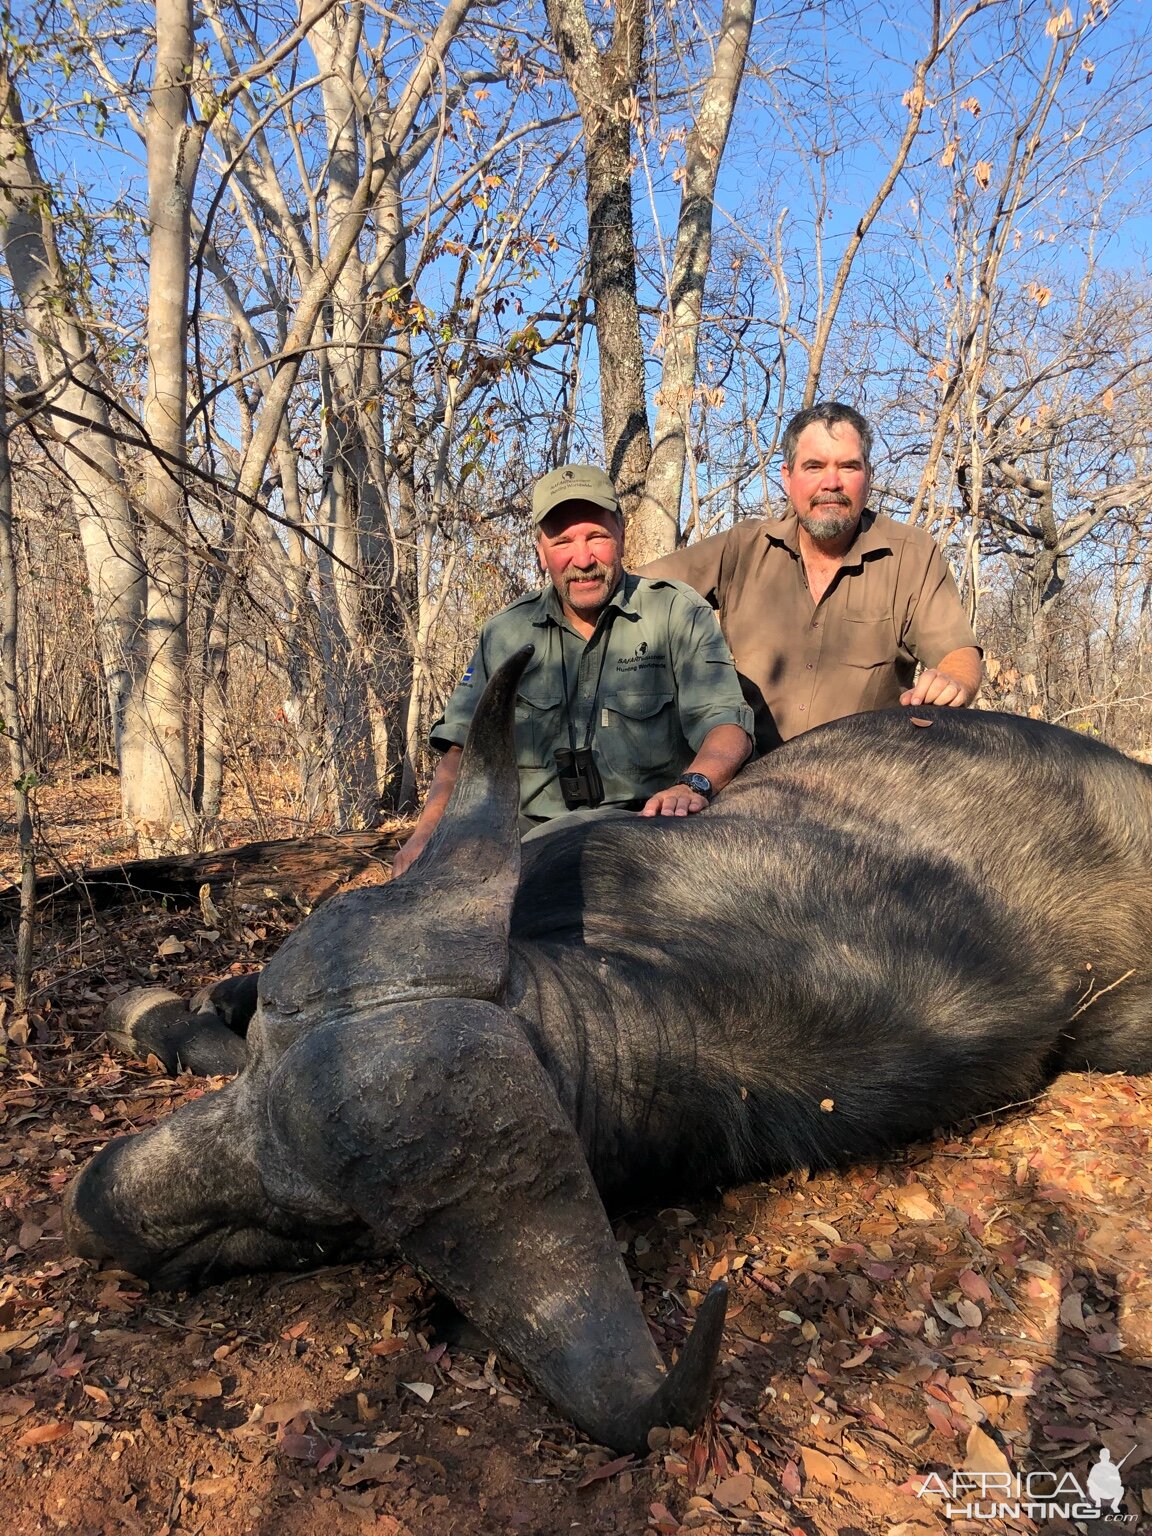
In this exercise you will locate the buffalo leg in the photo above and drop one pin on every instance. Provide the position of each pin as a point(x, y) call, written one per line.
point(151, 1021)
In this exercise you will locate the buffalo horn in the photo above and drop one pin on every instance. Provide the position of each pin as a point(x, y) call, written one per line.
point(436, 1122)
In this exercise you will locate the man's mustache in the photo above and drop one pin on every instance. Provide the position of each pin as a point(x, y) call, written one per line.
point(597, 572)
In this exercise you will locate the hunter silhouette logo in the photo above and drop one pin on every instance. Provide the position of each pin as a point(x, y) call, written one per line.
point(1040, 1496)
point(1105, 1485)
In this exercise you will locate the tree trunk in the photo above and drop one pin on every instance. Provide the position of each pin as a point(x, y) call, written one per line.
point(604, 85)
point(173, 156)
point(212, 747)
point(349, 735)
point(352, 503)
point(299, 638)
point(76, 411)
point(11, 723)
point(655, 525)
point(388, 552)
point(300, 871)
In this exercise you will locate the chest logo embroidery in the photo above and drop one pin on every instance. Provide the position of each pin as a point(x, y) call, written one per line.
point(642, 659)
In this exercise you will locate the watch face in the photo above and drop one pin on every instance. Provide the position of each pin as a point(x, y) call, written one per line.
point(697, 782)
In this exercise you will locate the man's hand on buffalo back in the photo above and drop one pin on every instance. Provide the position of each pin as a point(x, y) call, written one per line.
point(954, 682)
point(936, 687)
point(679, 800)
point(722, 752)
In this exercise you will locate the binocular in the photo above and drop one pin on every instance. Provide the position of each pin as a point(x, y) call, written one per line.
point(580, 781)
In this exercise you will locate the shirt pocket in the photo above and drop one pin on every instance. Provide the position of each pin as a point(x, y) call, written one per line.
point(540, 723)
point(640, 733)
point(867, 641)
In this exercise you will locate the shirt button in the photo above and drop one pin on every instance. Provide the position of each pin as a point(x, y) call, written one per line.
point(808, 664)
point(802, 709)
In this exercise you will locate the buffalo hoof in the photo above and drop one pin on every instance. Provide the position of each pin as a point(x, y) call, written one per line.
point(233, 1000)
point(151, 1021)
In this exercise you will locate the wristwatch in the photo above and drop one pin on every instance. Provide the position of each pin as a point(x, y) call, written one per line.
point(698, 783)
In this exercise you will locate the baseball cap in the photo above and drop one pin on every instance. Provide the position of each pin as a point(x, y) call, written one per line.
point(573, 482)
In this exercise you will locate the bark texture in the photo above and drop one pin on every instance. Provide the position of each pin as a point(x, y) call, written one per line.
point(11, 725)
point(75, 413)
point(604, 84)
point(298, 870)
point(174, 145)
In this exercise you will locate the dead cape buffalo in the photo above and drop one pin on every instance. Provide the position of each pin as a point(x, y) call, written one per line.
point(466, 1066)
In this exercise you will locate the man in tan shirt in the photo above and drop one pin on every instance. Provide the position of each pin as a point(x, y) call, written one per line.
point(829, 609)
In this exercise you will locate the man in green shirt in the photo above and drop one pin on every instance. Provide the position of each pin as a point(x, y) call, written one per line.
point(631, 699)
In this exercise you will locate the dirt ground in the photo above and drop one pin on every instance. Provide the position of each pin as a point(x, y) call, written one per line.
point(980, 1303)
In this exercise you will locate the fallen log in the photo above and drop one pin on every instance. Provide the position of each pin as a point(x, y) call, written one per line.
point(301, 870)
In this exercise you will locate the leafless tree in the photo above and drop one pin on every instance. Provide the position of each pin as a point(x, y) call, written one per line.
point(606, 82)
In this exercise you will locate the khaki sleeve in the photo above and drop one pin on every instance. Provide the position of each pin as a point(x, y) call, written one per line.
point(698, 566)
point(452, 726)
point(935, 623)
point(708, 691)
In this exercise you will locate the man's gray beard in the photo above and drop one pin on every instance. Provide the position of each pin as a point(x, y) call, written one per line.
point(833, 524)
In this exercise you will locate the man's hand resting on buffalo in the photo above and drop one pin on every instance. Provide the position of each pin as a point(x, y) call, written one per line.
point(955, 682)
point(721, 755)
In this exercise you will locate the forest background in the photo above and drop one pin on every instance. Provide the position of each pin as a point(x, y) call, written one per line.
point(296, 304)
